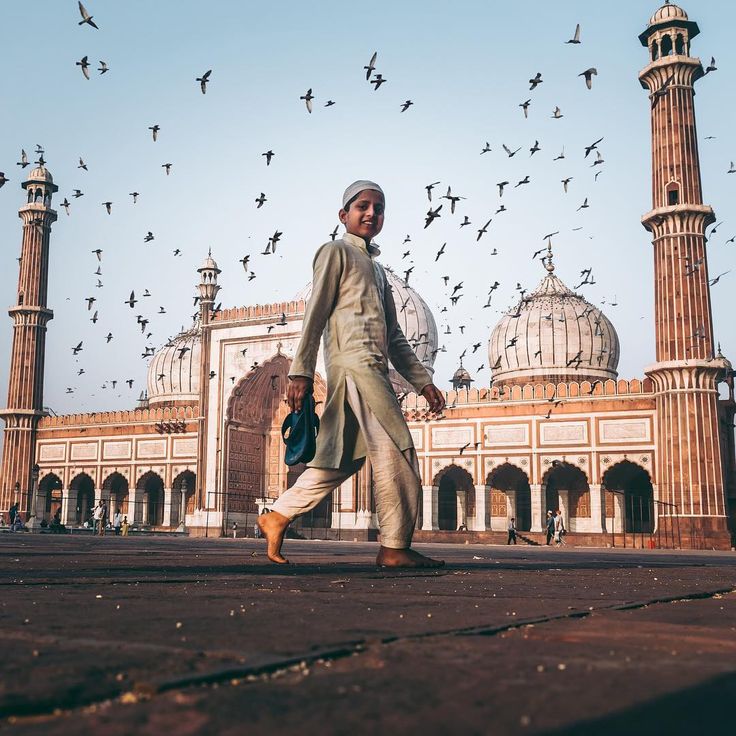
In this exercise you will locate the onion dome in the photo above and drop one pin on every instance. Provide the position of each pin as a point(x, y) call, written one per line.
point(41, 173)
point(173, 373)
point(553, 335)
point(668, 12)
point(415, 319)
point(461, 378)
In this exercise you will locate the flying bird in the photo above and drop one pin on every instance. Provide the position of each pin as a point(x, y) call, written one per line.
point(378, 80)
point(83, 63)
point(24, 159)
point(135, 196)
point(406, 105)
point(565, 182)
point(557, 113)
point(108, 207)
point(203, 81)
point(592, 147)
point(66, 204)
point(537, 80)
point(167, 167)
point(431, 186)
point(440, 252)
point(77, 193)
point(308, 97)
point(486, 148)
point(131, 301)
point(588, 74)
point(260, 200)
point(148, 237)
point(269, 155)
point(103, 67)
point(509, 152)
point(483, 230)
point(78, 348)
point(154, 131)
point(431, 216)
point(534, 149)
point(371, 66)
point(82, 165)
point(576, 37)
point(500, 186)
point(86, 17)
point(712, 66)
point(583, 206)
point(525, 107)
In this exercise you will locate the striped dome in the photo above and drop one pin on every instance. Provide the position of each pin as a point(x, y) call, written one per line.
point(666, 13)
point(553, 335)
point(173, 374)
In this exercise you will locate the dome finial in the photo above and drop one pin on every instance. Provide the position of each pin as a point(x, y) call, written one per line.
point(548, 264)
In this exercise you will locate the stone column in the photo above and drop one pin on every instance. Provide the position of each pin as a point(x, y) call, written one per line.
point(429, 508)
point(619, 513)
point(68, 506)
point(481, 508)
point(511, 504)
point(538, 510)
point(135, 501)
point(168, 501)
point(597, 508)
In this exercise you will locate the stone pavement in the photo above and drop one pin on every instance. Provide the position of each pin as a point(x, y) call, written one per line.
point(203, 636)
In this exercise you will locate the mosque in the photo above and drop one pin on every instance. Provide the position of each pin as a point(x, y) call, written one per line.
point(651, 456)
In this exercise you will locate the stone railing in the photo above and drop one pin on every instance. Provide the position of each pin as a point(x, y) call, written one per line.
point(260, 311)
point(131, 416)
point(537, 392)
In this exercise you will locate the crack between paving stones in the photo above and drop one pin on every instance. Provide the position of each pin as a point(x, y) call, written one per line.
point(269, 665)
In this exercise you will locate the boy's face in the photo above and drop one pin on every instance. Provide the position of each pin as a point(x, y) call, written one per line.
point(364, 217)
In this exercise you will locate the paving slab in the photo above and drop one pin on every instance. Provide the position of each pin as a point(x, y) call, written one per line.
point(127, 635)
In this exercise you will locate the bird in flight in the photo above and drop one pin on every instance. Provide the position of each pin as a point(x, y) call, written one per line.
point(576, 37)
point(440, 252)
point(525, 107)
point(269, 155)
point(712, 66)
point(154, 131)
point(371, 66)
point(454, 199)
point(565, 182)
point(148, 237)
point(583, 206)
point(135, 196)
point(537, 80)
point(77, 348)
point(406, 105)
point(108, 207)
point(83, 63)
point(592, 147)
point(86, 17)
point(103, 68)
point(500, 186)
point(588, 74)
point(509, 152)
point(378, 80)
point(486, 148)
point(66, 204)
point(557, 113)
point(260, 201)
point(203, 81)
point(715, 280)
point(308, 97)
point(167, 167)
point(483, 230)
point(431, 216)
point(732, 169)
point(82, 165)
point(24, 159)
point(534, 149)
point(431, 186)
point(561, 156)
point(525, 180)
point(131, 301)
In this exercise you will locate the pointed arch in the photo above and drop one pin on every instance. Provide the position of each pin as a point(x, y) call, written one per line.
point(455, 497)
point(632, 484)
point(508, 486)
point(83, 488)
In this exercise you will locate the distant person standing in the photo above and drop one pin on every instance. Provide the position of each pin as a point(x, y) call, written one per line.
point(125, 526)
point(117, 522)
point(550, 527)
point(559, 528)
point(12, 513)
point(512, 531)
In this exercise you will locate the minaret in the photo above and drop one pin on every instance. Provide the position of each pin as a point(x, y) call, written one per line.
point(208, 289)
point(30, 315)
point(689, 464)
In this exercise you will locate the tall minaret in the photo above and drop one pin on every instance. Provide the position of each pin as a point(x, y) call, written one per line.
point(30, 315)
point(208, 289)
point(689, 464)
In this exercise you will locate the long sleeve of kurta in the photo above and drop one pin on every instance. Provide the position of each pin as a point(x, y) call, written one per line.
point(400, 353)
point(327, 270)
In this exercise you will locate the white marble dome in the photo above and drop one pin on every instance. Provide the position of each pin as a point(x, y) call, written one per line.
point(416, 321)
point(41, 173)
point(668, 12)
point(173, 373)
point(554, 335)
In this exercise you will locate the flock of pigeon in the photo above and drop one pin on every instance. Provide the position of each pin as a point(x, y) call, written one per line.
point(440, 205)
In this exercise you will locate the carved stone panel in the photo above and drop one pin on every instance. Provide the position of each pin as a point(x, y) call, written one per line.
point(84, 451)
point(563, 433)
point(454, 437)
point(151, 448)
point(48, 453)
point(185, 447)
point(117, 450)
point(505, 434)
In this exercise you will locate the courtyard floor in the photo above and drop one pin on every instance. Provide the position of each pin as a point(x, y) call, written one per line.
point(203, 636)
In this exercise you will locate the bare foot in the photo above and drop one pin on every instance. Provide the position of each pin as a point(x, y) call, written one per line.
point(388, 557)
point(273, 526)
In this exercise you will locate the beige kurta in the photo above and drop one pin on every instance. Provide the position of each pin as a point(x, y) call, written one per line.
point(352, 308)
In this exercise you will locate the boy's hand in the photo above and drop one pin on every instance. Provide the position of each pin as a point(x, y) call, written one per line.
point(299, 387)
point(435, 398)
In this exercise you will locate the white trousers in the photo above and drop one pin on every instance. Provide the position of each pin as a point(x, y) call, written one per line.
point(396, 479)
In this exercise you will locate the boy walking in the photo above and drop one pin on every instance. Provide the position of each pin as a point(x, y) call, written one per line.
point(512, 531)
point(351, 303)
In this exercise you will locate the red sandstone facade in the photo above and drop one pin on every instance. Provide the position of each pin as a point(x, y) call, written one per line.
point(651, 456)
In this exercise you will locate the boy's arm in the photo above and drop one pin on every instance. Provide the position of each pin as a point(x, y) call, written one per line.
point(400, 353)
point(327, 272)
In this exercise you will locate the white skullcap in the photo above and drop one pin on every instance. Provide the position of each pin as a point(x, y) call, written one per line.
point(359, 186)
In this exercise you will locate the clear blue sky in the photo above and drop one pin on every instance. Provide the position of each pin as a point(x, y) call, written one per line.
point(465, 65)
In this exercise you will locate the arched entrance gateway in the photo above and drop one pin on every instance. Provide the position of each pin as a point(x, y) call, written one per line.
point(49, 488)
point(183, 496)
point(150, 510)
point(82, 495)
point(510, 495)
point(116, 488)
point(629, 495)
point(568, 491)
point(254, 465)
point(455, 498)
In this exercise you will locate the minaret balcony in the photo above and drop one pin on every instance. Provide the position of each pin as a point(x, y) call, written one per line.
point(689, 214)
